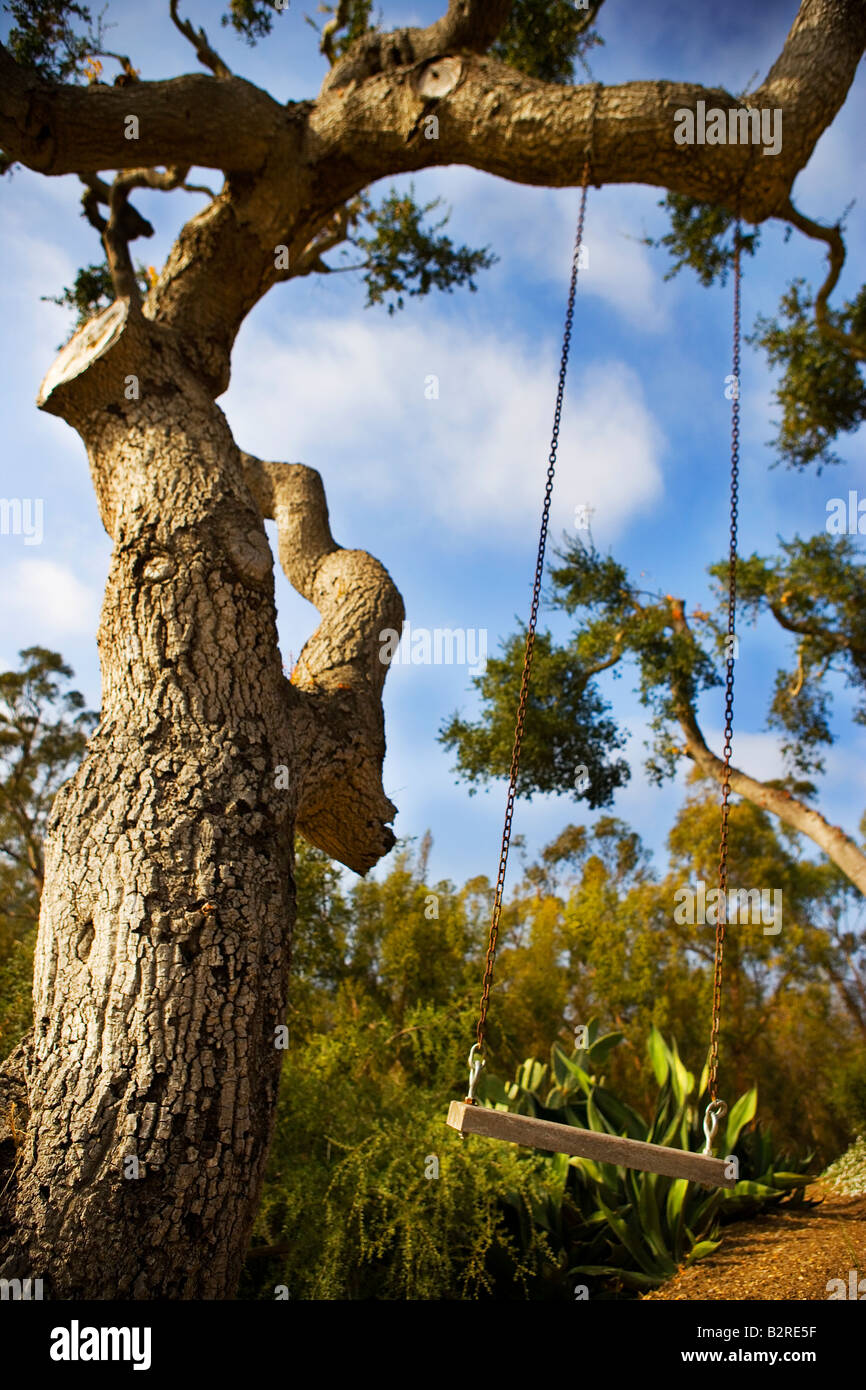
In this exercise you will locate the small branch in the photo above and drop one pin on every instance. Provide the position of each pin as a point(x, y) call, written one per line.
point(615, 656)
point(120, 265)
point(98, 194)
point(331, 235)
point(797, 684)
point(116, 239)
point(331, 29)
point(197, 188)
point(199, 40)
point(836, 258)
point(820, 634)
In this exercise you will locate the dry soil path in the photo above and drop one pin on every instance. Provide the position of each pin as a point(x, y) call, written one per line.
point(781, 1254)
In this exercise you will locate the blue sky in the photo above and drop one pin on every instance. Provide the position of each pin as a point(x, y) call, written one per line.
point(447, 492)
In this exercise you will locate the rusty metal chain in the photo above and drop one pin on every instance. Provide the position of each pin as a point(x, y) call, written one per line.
point(721, 920)
point(478, 1049)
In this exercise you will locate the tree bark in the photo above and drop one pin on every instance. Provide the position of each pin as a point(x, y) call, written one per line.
point(163, 950)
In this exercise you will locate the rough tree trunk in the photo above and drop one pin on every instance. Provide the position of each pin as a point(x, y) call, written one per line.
point(163, 950)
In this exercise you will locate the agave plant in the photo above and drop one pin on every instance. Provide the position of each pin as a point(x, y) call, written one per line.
point(622, 1225)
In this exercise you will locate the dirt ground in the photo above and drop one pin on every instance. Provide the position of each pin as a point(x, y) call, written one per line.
point(781, 1254)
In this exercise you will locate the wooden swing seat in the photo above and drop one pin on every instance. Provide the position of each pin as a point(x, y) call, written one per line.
point(586, 1143)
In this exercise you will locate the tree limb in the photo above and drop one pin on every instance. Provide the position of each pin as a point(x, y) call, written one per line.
point(803, 629)
point(335, 720)
point(59, 129)
point(838, 846)
point(98, 193)
point(311, 158)
point(836, 258)
point(199, 40)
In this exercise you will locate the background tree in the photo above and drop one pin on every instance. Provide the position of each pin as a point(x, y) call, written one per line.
point(162, 957)
point(43, 734)
point(813, 591)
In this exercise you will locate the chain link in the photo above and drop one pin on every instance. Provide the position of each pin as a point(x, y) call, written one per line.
point(729, 687)
point(533, 619)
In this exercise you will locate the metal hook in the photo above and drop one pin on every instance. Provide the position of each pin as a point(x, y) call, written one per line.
point(475, 1065)
point(713, 1115)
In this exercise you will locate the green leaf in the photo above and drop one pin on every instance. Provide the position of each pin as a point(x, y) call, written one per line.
point(621, 1116)
point(600, 1050)
point(701, 1250)
point(659, 1055)
point(741, 1112)
point(630, 1277)
point(630, 1235)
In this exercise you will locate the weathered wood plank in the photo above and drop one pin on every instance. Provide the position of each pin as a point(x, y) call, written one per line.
point(586, 1143)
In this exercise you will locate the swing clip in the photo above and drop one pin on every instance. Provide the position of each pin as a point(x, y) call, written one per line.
point(713, 1115)
point(476, 1062)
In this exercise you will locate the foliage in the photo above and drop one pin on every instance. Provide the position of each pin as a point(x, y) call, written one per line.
point(566, 725)
point(44, 37)
point(702, 237)
point(822, 391)
point(253, 19)
point(43, 731)
point(402, 256)
point(403, 1210)
point(544, 38)
point(848, 1173)
point(92, 290)
point(812, 589)
point(849, 1091)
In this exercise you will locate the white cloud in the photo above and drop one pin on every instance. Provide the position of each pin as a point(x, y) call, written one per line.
point(348, 397)
point(45, 601)
point(532, 231)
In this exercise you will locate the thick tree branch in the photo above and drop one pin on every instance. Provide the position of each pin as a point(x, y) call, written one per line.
point(57, 129)
point(494, 119)
point(335, 722)
point(500, 121)
point(838, 846)
point(830, 838)
point(312, 158)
